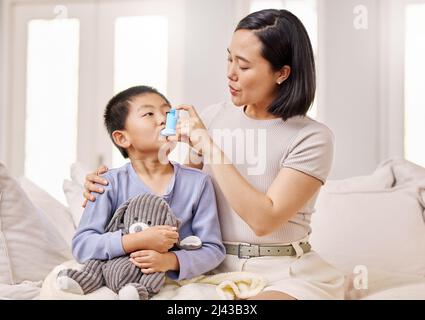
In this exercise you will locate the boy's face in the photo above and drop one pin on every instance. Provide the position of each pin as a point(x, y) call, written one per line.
point(146, 118)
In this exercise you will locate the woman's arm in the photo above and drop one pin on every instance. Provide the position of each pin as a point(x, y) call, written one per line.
point(263, 212)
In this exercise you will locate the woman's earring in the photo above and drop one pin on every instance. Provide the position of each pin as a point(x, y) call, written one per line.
point(279, 82)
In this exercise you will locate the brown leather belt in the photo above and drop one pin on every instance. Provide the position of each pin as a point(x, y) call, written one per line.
point(247, 250)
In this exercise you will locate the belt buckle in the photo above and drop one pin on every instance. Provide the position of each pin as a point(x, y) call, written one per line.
point(240, 256)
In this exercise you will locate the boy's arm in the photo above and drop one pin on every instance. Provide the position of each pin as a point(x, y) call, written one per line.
point(159, 238)
point(205, 225)
point(90, 240)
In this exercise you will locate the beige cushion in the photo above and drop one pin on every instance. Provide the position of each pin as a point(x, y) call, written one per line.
point(74, 198)
point(78, 172)
point(56, 212)
point(30, 245)
point(26, 290)
point(382, 229)
point(403, 171)
point(73, 190)
point(381, 178)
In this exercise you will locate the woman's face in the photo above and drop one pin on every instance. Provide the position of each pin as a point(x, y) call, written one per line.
point(251, 78)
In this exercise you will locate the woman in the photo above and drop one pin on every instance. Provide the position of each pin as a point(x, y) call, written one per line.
point(265, 211)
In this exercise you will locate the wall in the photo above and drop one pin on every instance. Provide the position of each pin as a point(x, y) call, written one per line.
point(349, 82)
point(349, 74)
point(2, 92)
point(207, 38)
point(350, 79)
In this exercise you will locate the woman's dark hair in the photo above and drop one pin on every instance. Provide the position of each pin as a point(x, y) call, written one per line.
point(116, 110)
point(285, 42)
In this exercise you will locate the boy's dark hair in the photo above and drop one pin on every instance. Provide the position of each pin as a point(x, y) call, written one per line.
point(285, 42)
point(116, 111)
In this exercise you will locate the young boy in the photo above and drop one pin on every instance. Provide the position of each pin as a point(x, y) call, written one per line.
point(134, 119)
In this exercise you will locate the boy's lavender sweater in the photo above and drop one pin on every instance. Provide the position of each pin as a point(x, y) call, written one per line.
point(191, 197)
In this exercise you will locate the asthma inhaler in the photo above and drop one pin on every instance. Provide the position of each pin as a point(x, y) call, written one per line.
point(171, 122)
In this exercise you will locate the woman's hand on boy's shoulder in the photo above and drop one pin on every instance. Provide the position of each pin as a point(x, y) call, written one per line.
point(93, 180)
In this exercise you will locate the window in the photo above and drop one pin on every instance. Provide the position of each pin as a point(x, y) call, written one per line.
point(414, 113)
point(141, 55)
point(66, 61)
point(52, 102)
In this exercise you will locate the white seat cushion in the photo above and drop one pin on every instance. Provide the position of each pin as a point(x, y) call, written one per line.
point(414, 291)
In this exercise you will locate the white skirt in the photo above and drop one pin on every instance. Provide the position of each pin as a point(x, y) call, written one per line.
point(307, 277)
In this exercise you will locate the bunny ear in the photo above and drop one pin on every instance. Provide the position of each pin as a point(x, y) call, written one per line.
point(117, 218)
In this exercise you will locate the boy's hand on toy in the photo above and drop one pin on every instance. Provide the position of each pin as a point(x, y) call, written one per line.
point(150, 261)
point(160, 238)
point(93, 180)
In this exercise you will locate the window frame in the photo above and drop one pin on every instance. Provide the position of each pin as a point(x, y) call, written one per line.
point(96, 82)
point(391, 102)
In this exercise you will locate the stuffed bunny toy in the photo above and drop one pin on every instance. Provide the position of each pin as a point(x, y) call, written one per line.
point(120, 274)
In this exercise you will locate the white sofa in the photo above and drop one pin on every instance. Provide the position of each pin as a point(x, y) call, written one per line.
point(370, 227)
point(373, 229)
